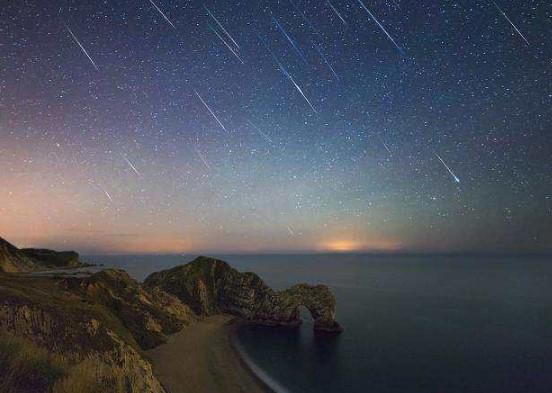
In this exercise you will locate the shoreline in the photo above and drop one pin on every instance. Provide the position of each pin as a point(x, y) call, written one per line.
point(204, 357)
point(269, 384)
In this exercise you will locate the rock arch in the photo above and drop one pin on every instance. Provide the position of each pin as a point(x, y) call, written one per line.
point(210, 286)
point(318, 300)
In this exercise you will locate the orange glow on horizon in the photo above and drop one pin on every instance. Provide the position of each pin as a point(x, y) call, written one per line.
point(344, 245)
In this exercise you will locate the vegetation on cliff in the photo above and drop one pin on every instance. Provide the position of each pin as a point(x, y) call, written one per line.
point(26, 367)
point(77, 331)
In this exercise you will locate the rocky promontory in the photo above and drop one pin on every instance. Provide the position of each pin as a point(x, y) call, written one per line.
point(211, 286)
point(14, 260)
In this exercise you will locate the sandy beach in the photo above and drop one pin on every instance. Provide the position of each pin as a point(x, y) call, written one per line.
point(200, 359)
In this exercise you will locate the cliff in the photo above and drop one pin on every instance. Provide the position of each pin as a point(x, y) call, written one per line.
point(210, 286)
point(53, 340)
point(49, 259)
point(13, 259)
point(149, 316)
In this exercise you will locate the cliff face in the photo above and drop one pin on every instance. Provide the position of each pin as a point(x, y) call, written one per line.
point(81, 341)
point(148, 316)
point(211, 286)
point(50, 259)
point(13, 259)
point(83, 329)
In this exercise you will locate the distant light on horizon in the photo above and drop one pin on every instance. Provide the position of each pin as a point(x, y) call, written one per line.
point(357, 246)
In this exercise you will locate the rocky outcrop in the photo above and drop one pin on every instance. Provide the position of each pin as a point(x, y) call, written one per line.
point(148, 316)
point(94, 340)
point(317, 299)
point(49, 259)
point(77, 330)
point(211, 286)
point(13, 259)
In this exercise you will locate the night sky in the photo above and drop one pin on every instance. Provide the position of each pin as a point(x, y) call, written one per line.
point(258, 126)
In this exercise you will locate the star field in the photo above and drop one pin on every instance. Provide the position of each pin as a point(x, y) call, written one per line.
point(182, 126)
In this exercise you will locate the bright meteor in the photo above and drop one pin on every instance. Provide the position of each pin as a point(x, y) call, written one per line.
point(226, 44)
point(456, 179)
point(512, 23)
point(287, 74)
point(290, 40)
point(298, 88)
point(210, 111)
point(131, 165)
point(336, 12)
point(162, 14)
point(380, 25)
point(82, 48)
point(221, 27)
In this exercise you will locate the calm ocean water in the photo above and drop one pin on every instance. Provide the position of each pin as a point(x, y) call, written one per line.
point(468, 324)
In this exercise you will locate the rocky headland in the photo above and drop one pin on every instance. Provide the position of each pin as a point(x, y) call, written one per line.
point(211, 286)
point(88, 333)
point(13, 259)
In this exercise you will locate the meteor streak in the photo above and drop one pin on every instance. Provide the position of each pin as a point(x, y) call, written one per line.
point(336, 12)
point(387, 148)
point(210, 111)
point(226, 43)
point(298, 88)
point(380, 25)
point(456, 179)
point(293, 44)
point(326, 61)
point(202, 157)
point(221, 26)
point(287, 74)
point(259, 131)
point(82, 47)
point(509, 21)
point(108, 196)
point(162, 14)
point(130, 164)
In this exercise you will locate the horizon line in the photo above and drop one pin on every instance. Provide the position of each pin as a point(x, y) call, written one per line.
point(329, 252)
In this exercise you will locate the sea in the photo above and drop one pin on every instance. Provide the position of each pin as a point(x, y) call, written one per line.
point(412, 323)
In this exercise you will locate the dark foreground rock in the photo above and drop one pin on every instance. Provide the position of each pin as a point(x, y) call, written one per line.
point(210, 286)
